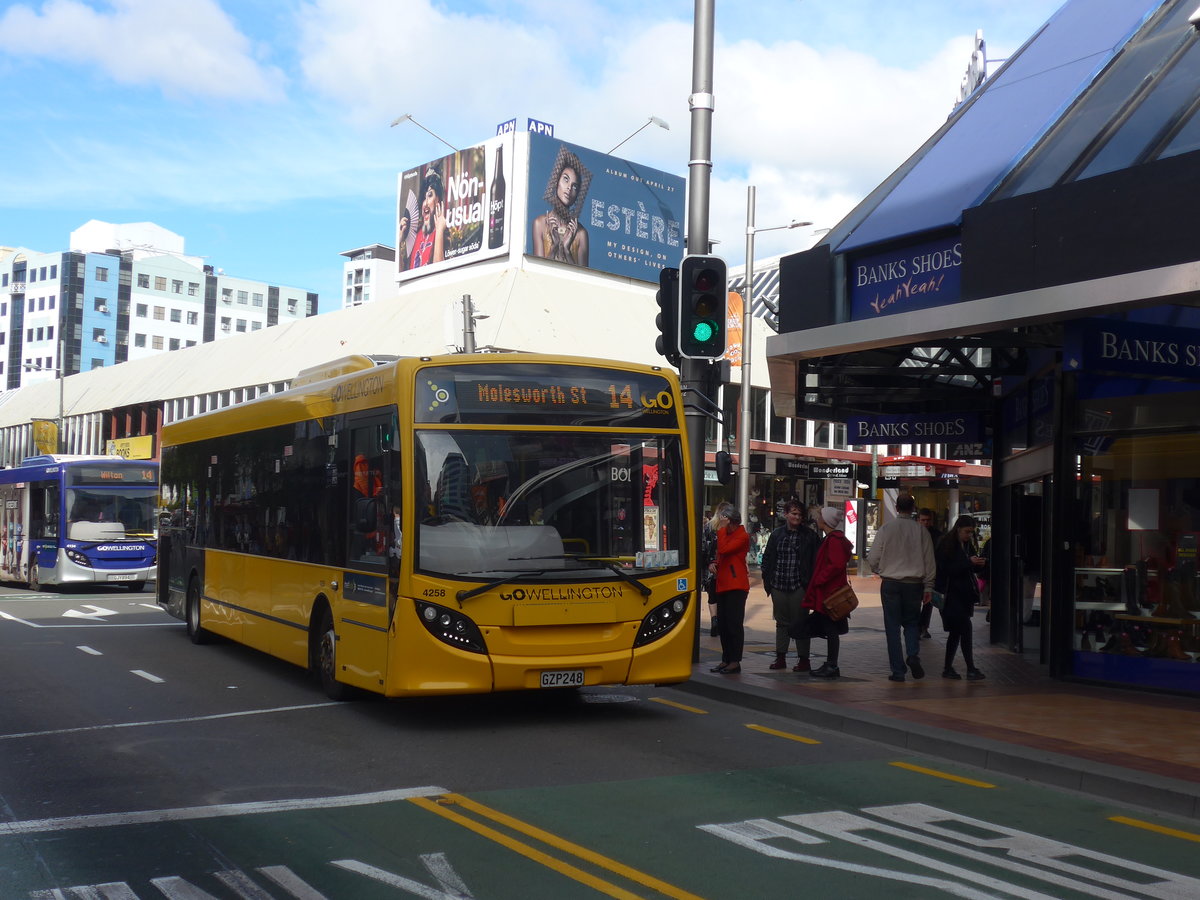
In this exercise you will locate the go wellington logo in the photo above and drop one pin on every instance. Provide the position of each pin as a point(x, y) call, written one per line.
point(440, 396)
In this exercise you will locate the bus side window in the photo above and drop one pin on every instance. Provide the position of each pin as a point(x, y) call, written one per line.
point(43, 511)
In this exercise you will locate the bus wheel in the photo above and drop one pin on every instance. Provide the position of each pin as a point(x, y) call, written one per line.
point(327, 658)
point(34, 583)
point(196, 632)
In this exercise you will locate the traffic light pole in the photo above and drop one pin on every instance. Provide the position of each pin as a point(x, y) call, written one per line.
point(694, 373)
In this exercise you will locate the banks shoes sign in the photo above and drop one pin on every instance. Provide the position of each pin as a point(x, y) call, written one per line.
point(933, 428)
point(1132, 348)
point(908, 279)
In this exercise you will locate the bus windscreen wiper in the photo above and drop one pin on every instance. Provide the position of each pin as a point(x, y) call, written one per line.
point(484, 588)
point(606, 563)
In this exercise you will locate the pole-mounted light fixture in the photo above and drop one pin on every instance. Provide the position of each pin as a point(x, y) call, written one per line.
point(653, 120)
point(407, 117)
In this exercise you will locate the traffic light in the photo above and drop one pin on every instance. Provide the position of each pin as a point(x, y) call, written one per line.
point(703, 287)
point(667, 342)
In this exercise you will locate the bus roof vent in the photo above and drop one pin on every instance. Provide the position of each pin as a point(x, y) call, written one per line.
point(347, 364)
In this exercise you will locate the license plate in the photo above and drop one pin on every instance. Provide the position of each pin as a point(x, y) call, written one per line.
point(569, 678)
point(122, 578)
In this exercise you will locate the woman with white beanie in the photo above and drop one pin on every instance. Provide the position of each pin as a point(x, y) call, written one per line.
point(829, 574)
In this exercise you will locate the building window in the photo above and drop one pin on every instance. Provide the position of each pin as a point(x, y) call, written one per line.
point(41, 334)
point(242, 296)
point(224, 323)
point(49, 333)
point(160, 313)
point(97, 363)
point(160, 283)
point(157, 342)
point(139, 340)
point(99, 336)
point(191, 343)
point(241, 325)
point(101, 273)
point(98, 304)
point(227, 294)
point(50, 305)
point(54, 271)
point(176, 315)
point(32, 305)
point(174, 343)
point(29, 335)
point(176, 286)
point(254, 326)
point(41, 302)
point(143, 280)
point(256, 299)
point(141, 310)
point(193, 288)
point(193, 318)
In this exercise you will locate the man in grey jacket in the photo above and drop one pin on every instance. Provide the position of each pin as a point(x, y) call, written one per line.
point(902, 555)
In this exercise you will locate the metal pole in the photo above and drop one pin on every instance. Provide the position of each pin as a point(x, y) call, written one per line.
point(468, 324)
point(693, 373)
point(743, 436)
point(61, 442)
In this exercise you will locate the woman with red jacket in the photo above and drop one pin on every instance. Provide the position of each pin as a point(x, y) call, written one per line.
point(829, 574)
point(733, 585)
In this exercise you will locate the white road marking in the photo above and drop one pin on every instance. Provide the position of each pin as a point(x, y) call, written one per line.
point(232, 715)
point(107, 820)
point(87, 649)
point(143, 674)
point(96, 612)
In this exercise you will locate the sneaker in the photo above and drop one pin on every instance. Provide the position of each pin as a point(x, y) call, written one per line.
point(826, 671)
point(897, 678)
point(975, 675)
point(914, 664)
point(950, 673)
point(780, 663)
point(802, 665)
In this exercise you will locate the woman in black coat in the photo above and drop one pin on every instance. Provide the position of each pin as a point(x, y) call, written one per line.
point(959, 566)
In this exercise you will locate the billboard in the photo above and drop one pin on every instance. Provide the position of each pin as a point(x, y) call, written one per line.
point(454, 209)
point(600, 212)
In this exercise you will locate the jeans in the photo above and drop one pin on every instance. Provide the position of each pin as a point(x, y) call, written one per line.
point(901, 602)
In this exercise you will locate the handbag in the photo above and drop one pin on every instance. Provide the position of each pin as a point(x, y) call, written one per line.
point(939, 599)
point(841, 603)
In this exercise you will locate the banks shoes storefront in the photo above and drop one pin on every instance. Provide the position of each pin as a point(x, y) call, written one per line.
point(1032, 274)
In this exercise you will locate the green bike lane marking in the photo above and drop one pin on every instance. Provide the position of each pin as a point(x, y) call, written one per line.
point(842, 828)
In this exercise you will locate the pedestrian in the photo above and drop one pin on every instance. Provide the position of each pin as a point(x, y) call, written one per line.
point(733, 585)
point(959, 566)
point(902, 555)
point(829, 574)
point(925, 516)
point(787, 565)
point(708, 555)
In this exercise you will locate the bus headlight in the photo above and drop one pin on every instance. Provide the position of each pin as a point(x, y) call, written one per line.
point(451, 627)
point(78, 558)
point(662, 619)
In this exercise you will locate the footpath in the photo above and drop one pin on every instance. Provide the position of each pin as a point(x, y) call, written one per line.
point(1128, 746)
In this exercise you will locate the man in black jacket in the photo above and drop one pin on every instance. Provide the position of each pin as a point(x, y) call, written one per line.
point(787, 565)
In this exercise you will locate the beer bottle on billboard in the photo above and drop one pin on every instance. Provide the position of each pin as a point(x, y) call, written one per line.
point(496, 204)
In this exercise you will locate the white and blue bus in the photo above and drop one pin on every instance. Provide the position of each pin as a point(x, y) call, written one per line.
point(79, 520)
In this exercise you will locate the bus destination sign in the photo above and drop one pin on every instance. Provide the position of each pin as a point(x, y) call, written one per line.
point(564, 394)
point(104, 474)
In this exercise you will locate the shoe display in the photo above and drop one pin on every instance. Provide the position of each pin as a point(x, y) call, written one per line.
point(914, 665)
point(826, 671)
point(780, 663)
point(950, 673)
point(975, 675)
point(896, 678)
point(803, 665)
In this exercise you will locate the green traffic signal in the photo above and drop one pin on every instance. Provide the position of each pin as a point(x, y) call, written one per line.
point(702, 292)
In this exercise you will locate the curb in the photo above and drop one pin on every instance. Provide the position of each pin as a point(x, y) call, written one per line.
point(1141, 789)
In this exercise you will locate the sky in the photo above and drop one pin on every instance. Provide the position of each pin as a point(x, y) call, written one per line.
point(259, 129)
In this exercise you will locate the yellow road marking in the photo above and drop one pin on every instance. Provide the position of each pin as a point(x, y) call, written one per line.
point(683, 706)
point(782, 734)
point(554, 841)
point(1160, 829)
point(529, 852)
point(936, 774)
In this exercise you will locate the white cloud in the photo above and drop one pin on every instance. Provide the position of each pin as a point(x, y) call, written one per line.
point(183, 47)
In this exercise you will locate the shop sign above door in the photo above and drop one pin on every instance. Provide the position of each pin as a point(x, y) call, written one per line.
point(934, 428)
point(903, 280)
point(1132, 348)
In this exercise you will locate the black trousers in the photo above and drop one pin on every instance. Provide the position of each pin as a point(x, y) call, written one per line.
point(731, 624)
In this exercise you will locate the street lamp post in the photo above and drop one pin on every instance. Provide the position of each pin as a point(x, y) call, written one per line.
point(743, 437)
point(653, 120)
point(407, 117)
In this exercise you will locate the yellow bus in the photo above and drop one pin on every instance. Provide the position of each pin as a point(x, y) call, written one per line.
point(441, 525)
